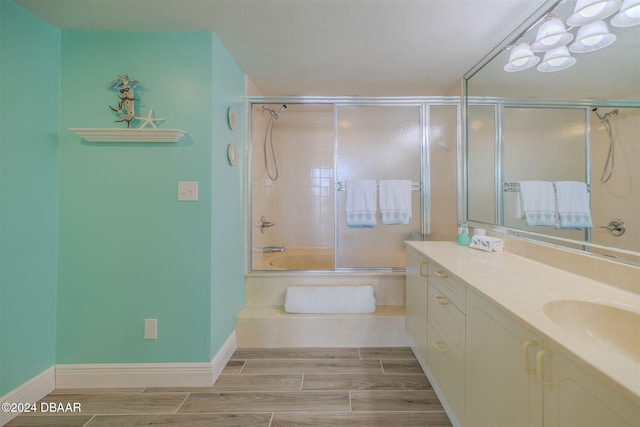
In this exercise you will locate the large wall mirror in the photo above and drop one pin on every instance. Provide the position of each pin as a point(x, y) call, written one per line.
point(567, 114)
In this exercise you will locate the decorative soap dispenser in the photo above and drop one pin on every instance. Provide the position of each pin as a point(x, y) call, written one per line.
point(463, 238)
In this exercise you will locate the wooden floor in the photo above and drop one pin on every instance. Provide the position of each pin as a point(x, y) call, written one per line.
point(272, 388)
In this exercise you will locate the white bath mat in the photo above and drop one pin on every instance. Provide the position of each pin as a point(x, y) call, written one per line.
point(330, 299)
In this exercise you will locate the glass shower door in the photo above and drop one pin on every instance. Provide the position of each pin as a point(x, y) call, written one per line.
point(377, 142)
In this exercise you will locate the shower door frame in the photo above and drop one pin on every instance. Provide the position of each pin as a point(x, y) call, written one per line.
point(423, 103)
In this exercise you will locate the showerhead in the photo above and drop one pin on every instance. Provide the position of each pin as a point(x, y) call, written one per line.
point(273, 112)
point(606, 115)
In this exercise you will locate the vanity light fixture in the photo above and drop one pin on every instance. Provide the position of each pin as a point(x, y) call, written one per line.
point(521, 58)
point(629, 14)
point(556, 60)
point(552, 34)
point(592, 37)
point(587, 11)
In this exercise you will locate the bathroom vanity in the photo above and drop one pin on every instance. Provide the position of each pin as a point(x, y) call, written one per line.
point(508, 341)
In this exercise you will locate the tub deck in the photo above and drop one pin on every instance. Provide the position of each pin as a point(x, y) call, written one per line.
point(264, 323)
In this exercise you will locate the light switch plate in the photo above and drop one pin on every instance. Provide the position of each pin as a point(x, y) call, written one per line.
point(150, 329)
point(188, 191)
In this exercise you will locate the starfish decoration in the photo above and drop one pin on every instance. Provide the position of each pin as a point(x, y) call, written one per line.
point(149, 120)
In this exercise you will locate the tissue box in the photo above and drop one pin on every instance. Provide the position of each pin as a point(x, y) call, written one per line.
point(486, 243)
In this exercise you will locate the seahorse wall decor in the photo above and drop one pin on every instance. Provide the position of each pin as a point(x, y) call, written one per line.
point(126, 107)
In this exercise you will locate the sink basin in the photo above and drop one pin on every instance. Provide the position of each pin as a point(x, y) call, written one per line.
point(610, 328)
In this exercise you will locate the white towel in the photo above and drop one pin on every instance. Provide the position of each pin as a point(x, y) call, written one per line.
point(486, 243)
point(361, 203)
point(537, 203)
point(572, 199)
point(395, 201)
point(330, 299)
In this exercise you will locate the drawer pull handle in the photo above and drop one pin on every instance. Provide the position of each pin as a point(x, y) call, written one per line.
point(423, 263)
point(440, 346)
point(525, 356)
point(441, 274)
point(540, 366)
point(442, 300)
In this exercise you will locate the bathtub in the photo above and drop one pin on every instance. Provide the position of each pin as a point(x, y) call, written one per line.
point(295, 259)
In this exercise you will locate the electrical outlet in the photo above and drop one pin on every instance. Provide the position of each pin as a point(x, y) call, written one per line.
point(188, 191)
point(150, 329)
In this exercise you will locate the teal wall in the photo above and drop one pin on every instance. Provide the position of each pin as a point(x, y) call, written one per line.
point(227, 217)
point(128, 249)
point(29, 81)
point(93, 238)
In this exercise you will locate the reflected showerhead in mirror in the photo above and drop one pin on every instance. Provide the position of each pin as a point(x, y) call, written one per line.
point(629, 14)
point(588, 11)
point(604, 117)
point(592, 37)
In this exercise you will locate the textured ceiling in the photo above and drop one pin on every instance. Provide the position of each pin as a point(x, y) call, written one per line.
point(322, 47)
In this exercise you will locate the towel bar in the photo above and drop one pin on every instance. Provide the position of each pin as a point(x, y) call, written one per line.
point(415, 186)
point(515, 187)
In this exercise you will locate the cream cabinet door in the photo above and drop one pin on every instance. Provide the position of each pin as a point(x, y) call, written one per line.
point(501, 385)
point(416, 302)
point(577, 397)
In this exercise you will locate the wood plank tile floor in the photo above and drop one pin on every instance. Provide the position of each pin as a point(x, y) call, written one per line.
point(277, 387)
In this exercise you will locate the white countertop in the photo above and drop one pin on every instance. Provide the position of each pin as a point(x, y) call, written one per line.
point(523, 286)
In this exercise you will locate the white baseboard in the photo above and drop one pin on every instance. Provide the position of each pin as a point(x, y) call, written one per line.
point(122, 375)
point(223, 355)
point(30, 392)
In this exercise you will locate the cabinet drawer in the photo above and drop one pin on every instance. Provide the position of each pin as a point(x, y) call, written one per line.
point(451, 287)
point(448, 321)
point(447, 371)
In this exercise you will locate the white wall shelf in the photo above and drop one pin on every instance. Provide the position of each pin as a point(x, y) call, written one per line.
point(129, 135)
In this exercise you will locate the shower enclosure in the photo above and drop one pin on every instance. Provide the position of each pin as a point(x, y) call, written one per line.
point(302, 155)
point(514, 140)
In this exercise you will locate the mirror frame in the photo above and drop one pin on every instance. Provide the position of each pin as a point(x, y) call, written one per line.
point(463, 159)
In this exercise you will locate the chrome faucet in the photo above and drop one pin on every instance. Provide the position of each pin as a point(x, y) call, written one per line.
point(272, 249)
point(264, 224)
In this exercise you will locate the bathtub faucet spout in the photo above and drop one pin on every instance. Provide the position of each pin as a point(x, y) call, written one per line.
point(272, 249)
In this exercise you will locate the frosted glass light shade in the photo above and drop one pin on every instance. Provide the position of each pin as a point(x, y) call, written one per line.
point(629, 14)
point(556, 60)
point(592, 37)
point(521, 58)
point(551, 35)
point(587, 11)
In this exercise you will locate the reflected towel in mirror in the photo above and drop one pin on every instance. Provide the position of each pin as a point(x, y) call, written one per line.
point(537, 203)
point(572, 199)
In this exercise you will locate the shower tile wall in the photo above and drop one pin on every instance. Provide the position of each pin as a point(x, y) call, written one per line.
point(301, 201)
point(619, 197)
